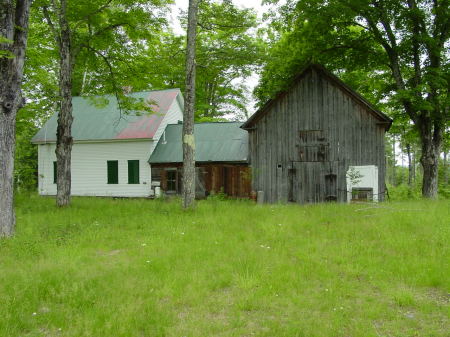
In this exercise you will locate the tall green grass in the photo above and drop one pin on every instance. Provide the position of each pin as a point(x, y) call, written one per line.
point(106, 267)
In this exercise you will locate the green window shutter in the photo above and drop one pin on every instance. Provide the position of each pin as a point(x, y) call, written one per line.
point(113, 171)
point(55, 172)
point(133, 172)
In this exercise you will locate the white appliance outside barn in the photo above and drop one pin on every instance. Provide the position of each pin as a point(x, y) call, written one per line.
point(362, 183)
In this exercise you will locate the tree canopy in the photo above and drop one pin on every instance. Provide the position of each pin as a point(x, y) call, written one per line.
point(394, 52)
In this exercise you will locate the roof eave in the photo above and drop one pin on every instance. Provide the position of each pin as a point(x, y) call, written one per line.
point(202, 162)
point(109, 140)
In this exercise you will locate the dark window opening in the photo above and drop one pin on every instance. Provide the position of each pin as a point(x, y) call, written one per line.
point(156, 174)
point(171, 181)
point(113, 171)
point(292, 177)
point(55, 172)
point(133, 172)
point(331, 187)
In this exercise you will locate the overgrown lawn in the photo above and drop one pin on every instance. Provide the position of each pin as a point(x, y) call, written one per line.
point(106, 267)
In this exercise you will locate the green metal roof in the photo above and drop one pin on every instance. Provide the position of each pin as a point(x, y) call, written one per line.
point(94, 121)
point(214, 142)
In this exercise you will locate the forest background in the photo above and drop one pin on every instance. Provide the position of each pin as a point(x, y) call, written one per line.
point(236, 48)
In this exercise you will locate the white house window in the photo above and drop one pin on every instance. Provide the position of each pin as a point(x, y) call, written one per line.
point(113, 171)
point(133, 172)
point(55, 172)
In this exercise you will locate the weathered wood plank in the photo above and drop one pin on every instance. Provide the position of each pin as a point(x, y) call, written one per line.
point(342, 133)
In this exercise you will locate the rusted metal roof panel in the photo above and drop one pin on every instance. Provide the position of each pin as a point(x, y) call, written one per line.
point(214, 142)
point(94, 121)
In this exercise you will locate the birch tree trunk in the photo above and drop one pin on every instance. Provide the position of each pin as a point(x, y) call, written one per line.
point(188, 117)
point(13, 27)
point(64, 129)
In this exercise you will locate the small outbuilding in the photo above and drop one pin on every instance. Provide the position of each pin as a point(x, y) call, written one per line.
point(307, 142)
point(221, 151)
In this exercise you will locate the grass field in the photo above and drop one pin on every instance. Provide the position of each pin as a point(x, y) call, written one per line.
point(108, 267)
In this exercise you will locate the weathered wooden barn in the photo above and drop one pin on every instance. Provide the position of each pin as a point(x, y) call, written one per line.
point(303, 142)
point(221, 151)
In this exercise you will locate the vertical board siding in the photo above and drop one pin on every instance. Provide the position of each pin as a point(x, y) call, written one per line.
point(233, 180)
point(349, 132)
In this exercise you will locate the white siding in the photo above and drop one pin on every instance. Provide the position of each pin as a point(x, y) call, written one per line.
point(89, 163)
point(89, 172)
point(173, 115)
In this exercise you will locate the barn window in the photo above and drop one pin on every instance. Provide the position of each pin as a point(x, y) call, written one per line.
point(171, 180)
point(133, 172)
point(113, 171)
point(156, 173)
point(55, 172)
point(312, 146)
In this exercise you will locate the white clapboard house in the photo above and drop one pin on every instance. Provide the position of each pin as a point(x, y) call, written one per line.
point(110, 148)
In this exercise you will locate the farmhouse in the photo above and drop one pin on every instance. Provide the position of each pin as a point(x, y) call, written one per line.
point(111, 149)
point(305, 143)
point(221, 151)
point(317, 141)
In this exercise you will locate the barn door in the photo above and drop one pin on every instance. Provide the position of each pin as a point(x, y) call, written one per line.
point(311, 182)
point(307, 182)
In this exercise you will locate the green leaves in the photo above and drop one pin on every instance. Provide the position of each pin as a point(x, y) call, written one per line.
point(395, 53)
point(227, 49)
point(4, 53)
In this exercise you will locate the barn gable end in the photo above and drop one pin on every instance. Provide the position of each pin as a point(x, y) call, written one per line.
point(303, 141)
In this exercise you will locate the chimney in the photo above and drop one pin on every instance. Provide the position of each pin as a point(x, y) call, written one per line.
point(127, 89)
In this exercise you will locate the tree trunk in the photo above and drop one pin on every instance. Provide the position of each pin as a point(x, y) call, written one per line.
point(394, 162)
point(14, 27)
point(410, 164)
point(64, 129)
point(188, 117)
point(431, 139)
point(7, 146)
point(445, 169)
